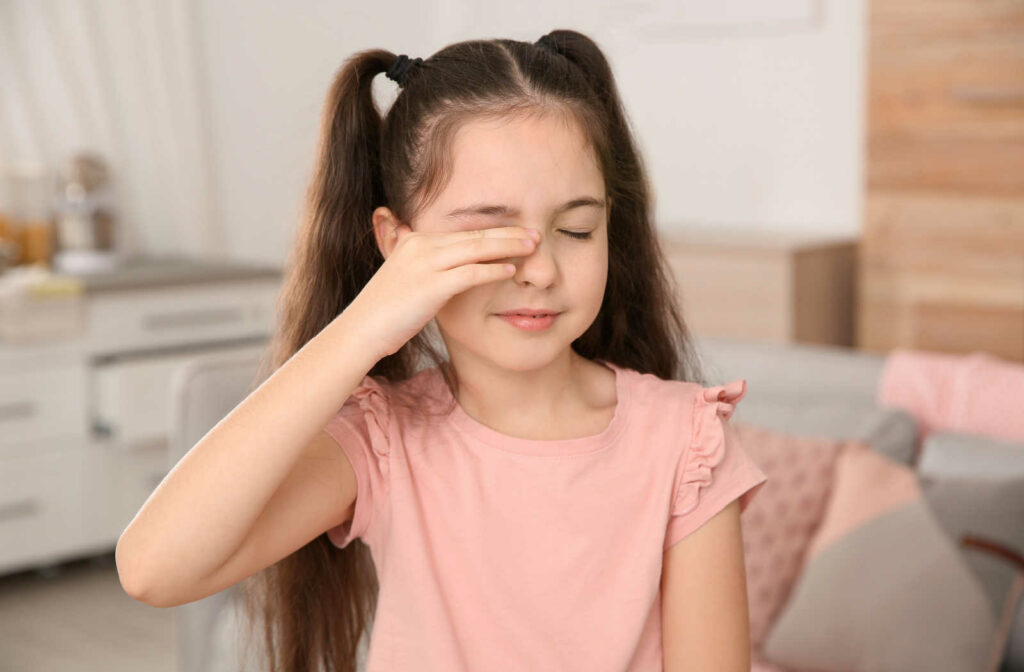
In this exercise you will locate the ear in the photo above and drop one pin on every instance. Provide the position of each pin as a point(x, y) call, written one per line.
point(386, 228)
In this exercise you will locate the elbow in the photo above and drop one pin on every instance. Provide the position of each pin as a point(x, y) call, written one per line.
point(132, 581)
point(137, 583)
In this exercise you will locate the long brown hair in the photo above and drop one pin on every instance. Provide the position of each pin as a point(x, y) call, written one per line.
point(314, 605)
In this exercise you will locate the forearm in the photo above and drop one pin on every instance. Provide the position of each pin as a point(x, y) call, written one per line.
point(203, 509)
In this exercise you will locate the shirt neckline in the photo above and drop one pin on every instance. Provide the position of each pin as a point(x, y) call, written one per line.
point(550, 447)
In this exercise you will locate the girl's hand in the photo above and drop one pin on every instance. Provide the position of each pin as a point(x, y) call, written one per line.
point(425, 270)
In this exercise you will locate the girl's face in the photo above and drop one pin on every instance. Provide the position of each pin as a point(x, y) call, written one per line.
point(537, 173)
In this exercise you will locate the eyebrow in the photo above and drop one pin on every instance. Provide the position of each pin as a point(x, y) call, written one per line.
point(507, 211)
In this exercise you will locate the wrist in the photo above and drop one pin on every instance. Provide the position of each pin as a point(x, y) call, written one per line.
point(355, 336)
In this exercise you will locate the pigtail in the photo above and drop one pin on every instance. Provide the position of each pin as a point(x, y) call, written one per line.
point(334, 256)
point(335, 253)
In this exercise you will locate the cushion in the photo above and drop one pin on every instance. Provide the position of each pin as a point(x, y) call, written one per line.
point(779, 523)
point(976, 393)
point(884, 587)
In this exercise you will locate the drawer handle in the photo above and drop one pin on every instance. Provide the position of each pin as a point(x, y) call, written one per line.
point(19, 509)
point(190, 318)
point(17, 410)
point(983, 96)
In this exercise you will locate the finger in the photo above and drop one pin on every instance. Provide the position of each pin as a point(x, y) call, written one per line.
point(471, 250)
point(469, 275)
point(495, 232)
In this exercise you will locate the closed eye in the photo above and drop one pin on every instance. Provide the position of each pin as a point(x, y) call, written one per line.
point(581, 235)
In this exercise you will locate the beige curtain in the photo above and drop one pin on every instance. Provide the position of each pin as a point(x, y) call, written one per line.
point(122, 78)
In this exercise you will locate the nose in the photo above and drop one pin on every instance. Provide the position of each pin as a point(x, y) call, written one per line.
point(539, 267)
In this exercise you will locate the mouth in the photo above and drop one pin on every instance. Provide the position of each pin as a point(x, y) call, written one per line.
point(529, 320)
point(528, 314)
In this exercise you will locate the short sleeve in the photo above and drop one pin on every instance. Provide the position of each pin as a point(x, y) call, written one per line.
point(362, 430)
point(714, 469)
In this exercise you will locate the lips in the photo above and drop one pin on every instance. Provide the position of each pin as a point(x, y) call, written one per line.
point(526, 312)
point(529, 322)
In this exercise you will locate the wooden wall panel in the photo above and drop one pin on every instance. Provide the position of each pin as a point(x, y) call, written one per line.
point(942, 253)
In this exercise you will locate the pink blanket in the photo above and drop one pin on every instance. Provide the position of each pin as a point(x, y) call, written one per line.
point(977, 393)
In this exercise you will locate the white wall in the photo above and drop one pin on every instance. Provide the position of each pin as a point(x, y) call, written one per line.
point(741, 125)
point(746, 124)
point(268, 68)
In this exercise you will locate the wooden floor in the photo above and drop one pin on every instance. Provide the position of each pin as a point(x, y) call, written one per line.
point(76, 617)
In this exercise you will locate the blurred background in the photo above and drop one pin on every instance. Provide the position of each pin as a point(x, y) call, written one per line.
point(836, 183)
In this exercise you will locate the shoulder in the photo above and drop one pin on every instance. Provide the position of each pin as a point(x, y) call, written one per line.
point(690, 419)
point(701, 400)
point(710, 409)
point(377, 393)
point(372, 394)
point(422, 400)
point(660, 390)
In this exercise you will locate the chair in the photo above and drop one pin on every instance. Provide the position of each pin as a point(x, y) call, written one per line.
point(205, 390)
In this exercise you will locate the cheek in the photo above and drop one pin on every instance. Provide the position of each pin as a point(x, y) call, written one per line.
point(588, 272)
point(465, 306)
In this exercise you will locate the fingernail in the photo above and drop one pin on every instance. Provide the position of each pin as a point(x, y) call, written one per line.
point(535, 234)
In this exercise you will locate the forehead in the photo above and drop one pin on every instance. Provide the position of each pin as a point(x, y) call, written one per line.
point(534, 163)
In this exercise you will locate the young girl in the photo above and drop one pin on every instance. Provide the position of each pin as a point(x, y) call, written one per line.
point(559, 490)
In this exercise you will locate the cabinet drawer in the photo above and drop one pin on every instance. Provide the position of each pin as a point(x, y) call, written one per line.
point(40, 506)
point(945, 96)
point(42, 404)
point(178, 316)
point(898, 223)
point(132, 397)
point(957, 89)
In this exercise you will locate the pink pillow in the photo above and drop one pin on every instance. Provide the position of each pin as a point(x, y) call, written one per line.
point(977, 393)
point(778, 524)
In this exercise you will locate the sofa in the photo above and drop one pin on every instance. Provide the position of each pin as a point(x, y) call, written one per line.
point(819, 402)
point(873, 581)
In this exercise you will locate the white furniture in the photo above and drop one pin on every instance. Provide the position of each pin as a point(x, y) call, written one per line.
point(84, 421)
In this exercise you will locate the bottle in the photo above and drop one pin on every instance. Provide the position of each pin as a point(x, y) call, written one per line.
point(85, 222)
point(29, 224)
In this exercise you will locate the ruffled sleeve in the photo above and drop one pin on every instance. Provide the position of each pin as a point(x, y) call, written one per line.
point(362, 429)
point(714, 468)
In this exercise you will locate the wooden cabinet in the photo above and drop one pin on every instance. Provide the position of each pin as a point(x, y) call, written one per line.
point(769, 287)
point(942, 257)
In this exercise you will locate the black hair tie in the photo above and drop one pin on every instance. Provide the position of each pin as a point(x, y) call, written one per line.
point(401, 67)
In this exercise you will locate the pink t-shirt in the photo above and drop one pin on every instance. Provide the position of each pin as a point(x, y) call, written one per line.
point(498, 553)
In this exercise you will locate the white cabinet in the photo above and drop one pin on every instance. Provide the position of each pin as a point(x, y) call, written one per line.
point(41, 512)
point(84, 423)
point(128, 320)
point(40, 401)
